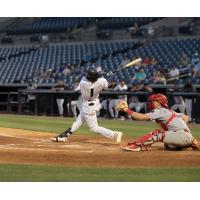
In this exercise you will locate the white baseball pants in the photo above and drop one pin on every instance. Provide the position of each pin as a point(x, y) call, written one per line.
point(92, 123)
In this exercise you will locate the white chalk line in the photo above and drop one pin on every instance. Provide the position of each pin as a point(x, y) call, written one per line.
point(7, 145)
point(63, 146)
point(39, 141)
point(76, 146)
point(39, 149)
point(19, 137)
point(29, 149)
point(10, 146)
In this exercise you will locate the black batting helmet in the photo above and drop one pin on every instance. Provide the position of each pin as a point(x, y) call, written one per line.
point(92, 74)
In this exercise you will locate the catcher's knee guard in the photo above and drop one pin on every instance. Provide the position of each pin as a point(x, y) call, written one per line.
point(150, 138)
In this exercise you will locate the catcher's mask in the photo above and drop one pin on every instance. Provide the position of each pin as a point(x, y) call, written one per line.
point(160, 98)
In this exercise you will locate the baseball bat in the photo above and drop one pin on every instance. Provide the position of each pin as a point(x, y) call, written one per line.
point(129, 64)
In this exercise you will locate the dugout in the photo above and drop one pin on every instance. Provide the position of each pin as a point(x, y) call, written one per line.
point(13, 99)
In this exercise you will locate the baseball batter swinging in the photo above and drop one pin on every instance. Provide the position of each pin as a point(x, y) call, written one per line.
point(90, 87)
point(174, 132)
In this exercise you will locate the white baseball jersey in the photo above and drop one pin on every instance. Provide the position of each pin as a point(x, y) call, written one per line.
point(168, 119)
point(174, 72)
point(90, 93)
point(121, 88)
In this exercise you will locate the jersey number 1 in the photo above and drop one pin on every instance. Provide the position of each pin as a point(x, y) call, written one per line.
point(92, 92)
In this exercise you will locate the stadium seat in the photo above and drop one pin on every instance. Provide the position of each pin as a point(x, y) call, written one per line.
point(23, 62)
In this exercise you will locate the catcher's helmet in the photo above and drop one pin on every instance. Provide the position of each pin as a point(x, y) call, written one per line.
point(92, 74)
point(160, 98)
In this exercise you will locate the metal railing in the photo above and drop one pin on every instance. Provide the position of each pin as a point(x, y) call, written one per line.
point(17, 100)
point(51, 95)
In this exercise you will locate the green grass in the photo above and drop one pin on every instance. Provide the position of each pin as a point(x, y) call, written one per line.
point(58, 173)
point(56, 125)
point(9, 172)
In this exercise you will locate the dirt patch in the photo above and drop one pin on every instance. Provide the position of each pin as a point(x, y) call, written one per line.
point(29, 147)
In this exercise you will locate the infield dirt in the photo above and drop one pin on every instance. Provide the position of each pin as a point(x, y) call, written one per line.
point(29, 147)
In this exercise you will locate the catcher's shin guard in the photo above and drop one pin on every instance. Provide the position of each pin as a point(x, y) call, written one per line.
point(147, 140)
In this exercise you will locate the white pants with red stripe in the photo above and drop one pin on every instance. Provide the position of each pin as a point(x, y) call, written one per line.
point(172, 139)
point(178, 138)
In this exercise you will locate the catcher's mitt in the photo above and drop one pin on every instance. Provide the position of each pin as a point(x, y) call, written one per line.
point(122, 105)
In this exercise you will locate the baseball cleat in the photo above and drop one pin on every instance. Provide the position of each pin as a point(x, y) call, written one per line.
point(119, 137)
point(59, 139)
point(131, 147)
point(62, 137)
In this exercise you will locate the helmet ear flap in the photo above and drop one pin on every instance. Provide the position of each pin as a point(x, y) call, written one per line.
point(151, 106)
point(150, 102)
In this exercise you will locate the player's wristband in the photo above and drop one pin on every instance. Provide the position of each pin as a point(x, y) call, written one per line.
point(130, 112)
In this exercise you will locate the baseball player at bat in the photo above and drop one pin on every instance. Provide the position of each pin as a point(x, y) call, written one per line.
point(174, 132)
point(90, 87)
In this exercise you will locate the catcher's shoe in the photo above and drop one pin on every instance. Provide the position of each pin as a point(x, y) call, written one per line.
point(59, 139)
point(195, 145)
point(131, 147)
point(119, 136)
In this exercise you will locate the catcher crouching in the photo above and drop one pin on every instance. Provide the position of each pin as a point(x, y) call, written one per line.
point(174, 132)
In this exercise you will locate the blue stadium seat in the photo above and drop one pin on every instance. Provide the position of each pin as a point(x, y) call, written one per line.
point(166, 52)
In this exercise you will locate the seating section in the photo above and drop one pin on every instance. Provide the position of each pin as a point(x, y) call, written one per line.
point(59, 24)
point(24, 66)
point(124, 22)
point(51, 24)
point(109, 55)
point(167, 53)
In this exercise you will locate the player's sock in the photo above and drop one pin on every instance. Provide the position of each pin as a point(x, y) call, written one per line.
point(65, 133)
